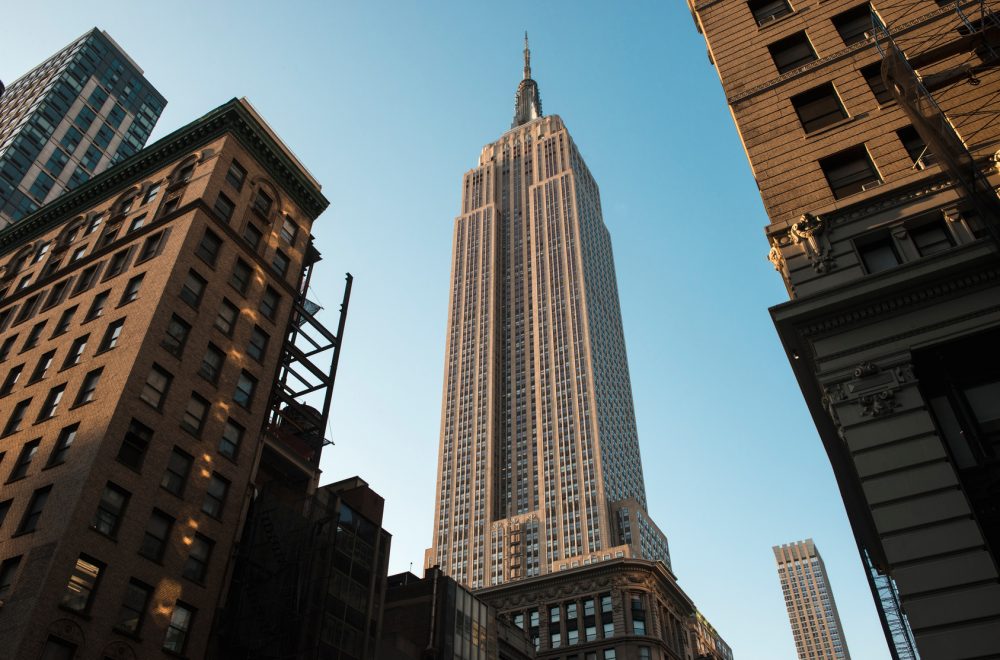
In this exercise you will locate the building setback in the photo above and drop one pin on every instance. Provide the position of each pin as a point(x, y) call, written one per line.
point(437, 618)
point(144, 317)
point(70, 118)
point(874, 151)
point(812, 610)
point(539, 470)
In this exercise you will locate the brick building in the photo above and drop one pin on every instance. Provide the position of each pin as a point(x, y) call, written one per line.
point(144, 317)
point(871, 130)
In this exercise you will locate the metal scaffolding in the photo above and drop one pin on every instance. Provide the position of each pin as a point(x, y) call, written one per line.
point(976, 31)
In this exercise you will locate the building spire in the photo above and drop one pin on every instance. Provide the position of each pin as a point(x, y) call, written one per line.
point(527, 57)
point(527, 101)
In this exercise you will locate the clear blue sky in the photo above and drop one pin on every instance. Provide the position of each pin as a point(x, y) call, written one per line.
point(388, 104)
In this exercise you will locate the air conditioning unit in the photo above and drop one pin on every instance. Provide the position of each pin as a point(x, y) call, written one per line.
point(871, 184)
point(767, 19)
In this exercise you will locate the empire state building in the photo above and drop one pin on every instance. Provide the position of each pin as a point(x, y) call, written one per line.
point(539, 467)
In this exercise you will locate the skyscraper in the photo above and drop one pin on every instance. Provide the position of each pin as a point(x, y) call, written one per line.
point(872, 133)
point(69, 118)
point(539, 457)
point(541, 504)
point(812, 611)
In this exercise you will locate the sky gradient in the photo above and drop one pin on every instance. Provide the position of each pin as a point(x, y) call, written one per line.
point(388, 104)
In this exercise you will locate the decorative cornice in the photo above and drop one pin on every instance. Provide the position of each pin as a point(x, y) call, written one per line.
point(901, 301)
point(839, 55)
point(232, 117)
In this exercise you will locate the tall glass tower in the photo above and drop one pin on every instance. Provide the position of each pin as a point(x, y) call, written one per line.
point(68, 119)
point(539, 465)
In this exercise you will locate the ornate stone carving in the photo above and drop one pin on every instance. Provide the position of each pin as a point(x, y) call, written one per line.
point(833, 394)
point(866, 369)
point(775, 257)
point(878, 404)
point(810, 233)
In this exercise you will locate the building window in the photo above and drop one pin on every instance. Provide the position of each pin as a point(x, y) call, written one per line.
point(97, 307)
point(8, 570)
point(24, 459)
point(28, 309)
point(58, 649)
point(236, 175)
point(176, 335)
point(87, 278)
point(62, 325)
point(41, 368)
point(768, 11)
point(131, 290)
point(853, 24)
point(134, 445)
point(258, 344)
point(63, 443)
point(194, 287)
point(215, 496)
point(82, 583)
point(76, 351)
point(51, 404)
point(819, 107)
point(110, 510)
point(224, 207)
point(178, 469)
point(11, 379)
point(78, 253)
point(289, 230)
point(16, 417)
point(244, 389)
point(57, 293)
point(111, 335)
point(156, 386)
point(792, 52)
point(269, 303)
point(232, 435)
point(32, 339)
point(262, 203)
point(211, 363)
point(152, 246)
point(850, 171)
point(154, 541)
point(915, 146)
point(137, 223)
point(878, 255)
point(279, 264)
point(240, 279)
point(252, 235)
point(6, 347)
point(200, 553)
point(134, 605)
point(225, 320)
point(194, 414)
point(208, 247)
point(33, 513)
point(178, 629)
point(151, 193)
point(931, 238)
point(873, 76)
point(89, 386)
point(184, 174)
point(609, 654)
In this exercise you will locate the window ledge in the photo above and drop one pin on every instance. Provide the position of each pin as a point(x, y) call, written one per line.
point(776, 21)
point(835, 125)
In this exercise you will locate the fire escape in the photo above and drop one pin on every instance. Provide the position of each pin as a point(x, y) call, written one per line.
point(916, 65)
point(299, 407)
point(958, 53)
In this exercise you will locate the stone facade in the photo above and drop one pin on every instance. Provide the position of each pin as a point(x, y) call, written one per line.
point(889, 255)
point(621, 609)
